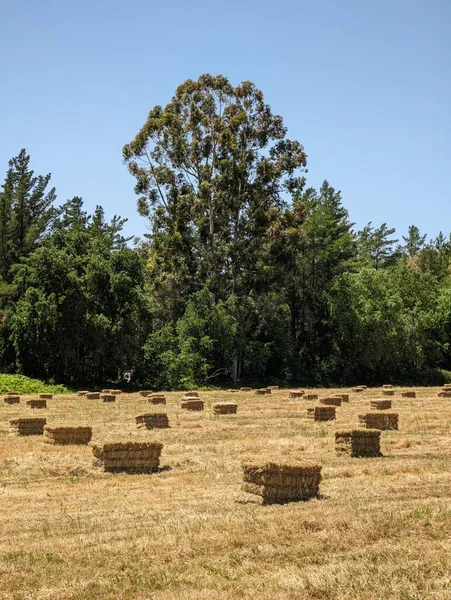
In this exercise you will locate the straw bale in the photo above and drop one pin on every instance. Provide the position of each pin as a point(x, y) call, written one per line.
point(108, 398)
point(380, 404)
point(12, 393)
point(192, 404)
point(379, 420)
point(344, 397)
point(46, 396)
point(267, 390)
point(93, 395)
point(82, 393)
point(275, 388)
point(280, 492)
point(105, 391)
point(321, 413)
point(225, 408)
point(233, 391)
point(387, 386)
point(145, 393)
point(445, 394)
point(331, 400)
point(116, 392)
point(282, 482)
point(260, 392)
point(28, 426)
point(295, 394)
point(311, 397)
point(408, 394)
point(245, 389)
point(388, 392)
point(67, 434)
point(34, 403)
point(156, 399)
point(131, 457)
point(364, 387)
point(357, 390)
point(358, 442)
point(191, 395)
point(152, 421)
point(275, 473)
point(11, 399)
point(447, 386)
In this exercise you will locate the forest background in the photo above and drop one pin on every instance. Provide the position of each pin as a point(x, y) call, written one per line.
point(246, 275)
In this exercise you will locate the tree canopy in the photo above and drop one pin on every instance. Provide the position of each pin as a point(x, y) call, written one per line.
point(245, 275)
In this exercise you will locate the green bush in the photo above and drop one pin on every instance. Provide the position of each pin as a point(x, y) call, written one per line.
point(25, 385)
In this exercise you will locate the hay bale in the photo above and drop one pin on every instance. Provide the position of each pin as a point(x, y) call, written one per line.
point(379, 420)
point(311, 397)
point(245, 389)
point(331, 400)
point(278, 483)
point(380, 404)
point(358, 442)
point(67, 434)
point(156, 399)
point(152, 421)
point(105, 391)
point(295, 394)
point(35, 403)
point(274, 388)
point(321, 413)
point(260, 392)
point(108, 397)
point(46, 396)
point(344, 397)
point(387, 386)
point(267, 390)
point(357, 390)
point(447, 386)
point(408, 394)
point(388, 392)
point(11, 399)
point(145, 393)
point(116, 392)
point(225, 408)
point(233, 391)
point(128, 457)
point(93, 396)
point(27, 426)
point(12, 393)
point(82, 393)
point(364, 387)
point(192, 404)
point(445, 394)
point(191, 395)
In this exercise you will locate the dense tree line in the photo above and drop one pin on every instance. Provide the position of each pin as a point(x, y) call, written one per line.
point(246, 274)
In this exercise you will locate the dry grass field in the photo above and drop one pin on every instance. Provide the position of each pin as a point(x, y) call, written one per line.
point(380, 530)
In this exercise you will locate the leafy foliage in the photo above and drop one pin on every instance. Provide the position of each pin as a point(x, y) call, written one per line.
point(244, 276)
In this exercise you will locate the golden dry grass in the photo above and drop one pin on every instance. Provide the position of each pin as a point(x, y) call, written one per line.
point(381, 529)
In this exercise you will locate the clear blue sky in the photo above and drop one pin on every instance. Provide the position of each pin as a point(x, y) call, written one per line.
point(365, 86)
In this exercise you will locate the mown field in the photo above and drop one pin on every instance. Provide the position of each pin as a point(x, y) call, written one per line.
point(381, 529)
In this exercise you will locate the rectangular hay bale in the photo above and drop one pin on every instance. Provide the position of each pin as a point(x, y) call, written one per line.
point(225, 408)
point(321, 413)
point(379, 420)
point(358, 442)
point(380, 404)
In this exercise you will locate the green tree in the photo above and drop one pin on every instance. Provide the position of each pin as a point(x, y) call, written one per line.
point(375, 247)
point(26, 212)
point(209, 167)
point(413, 242)
point(80, 314)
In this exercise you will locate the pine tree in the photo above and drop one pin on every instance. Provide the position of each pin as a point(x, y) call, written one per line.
point(26, 212)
